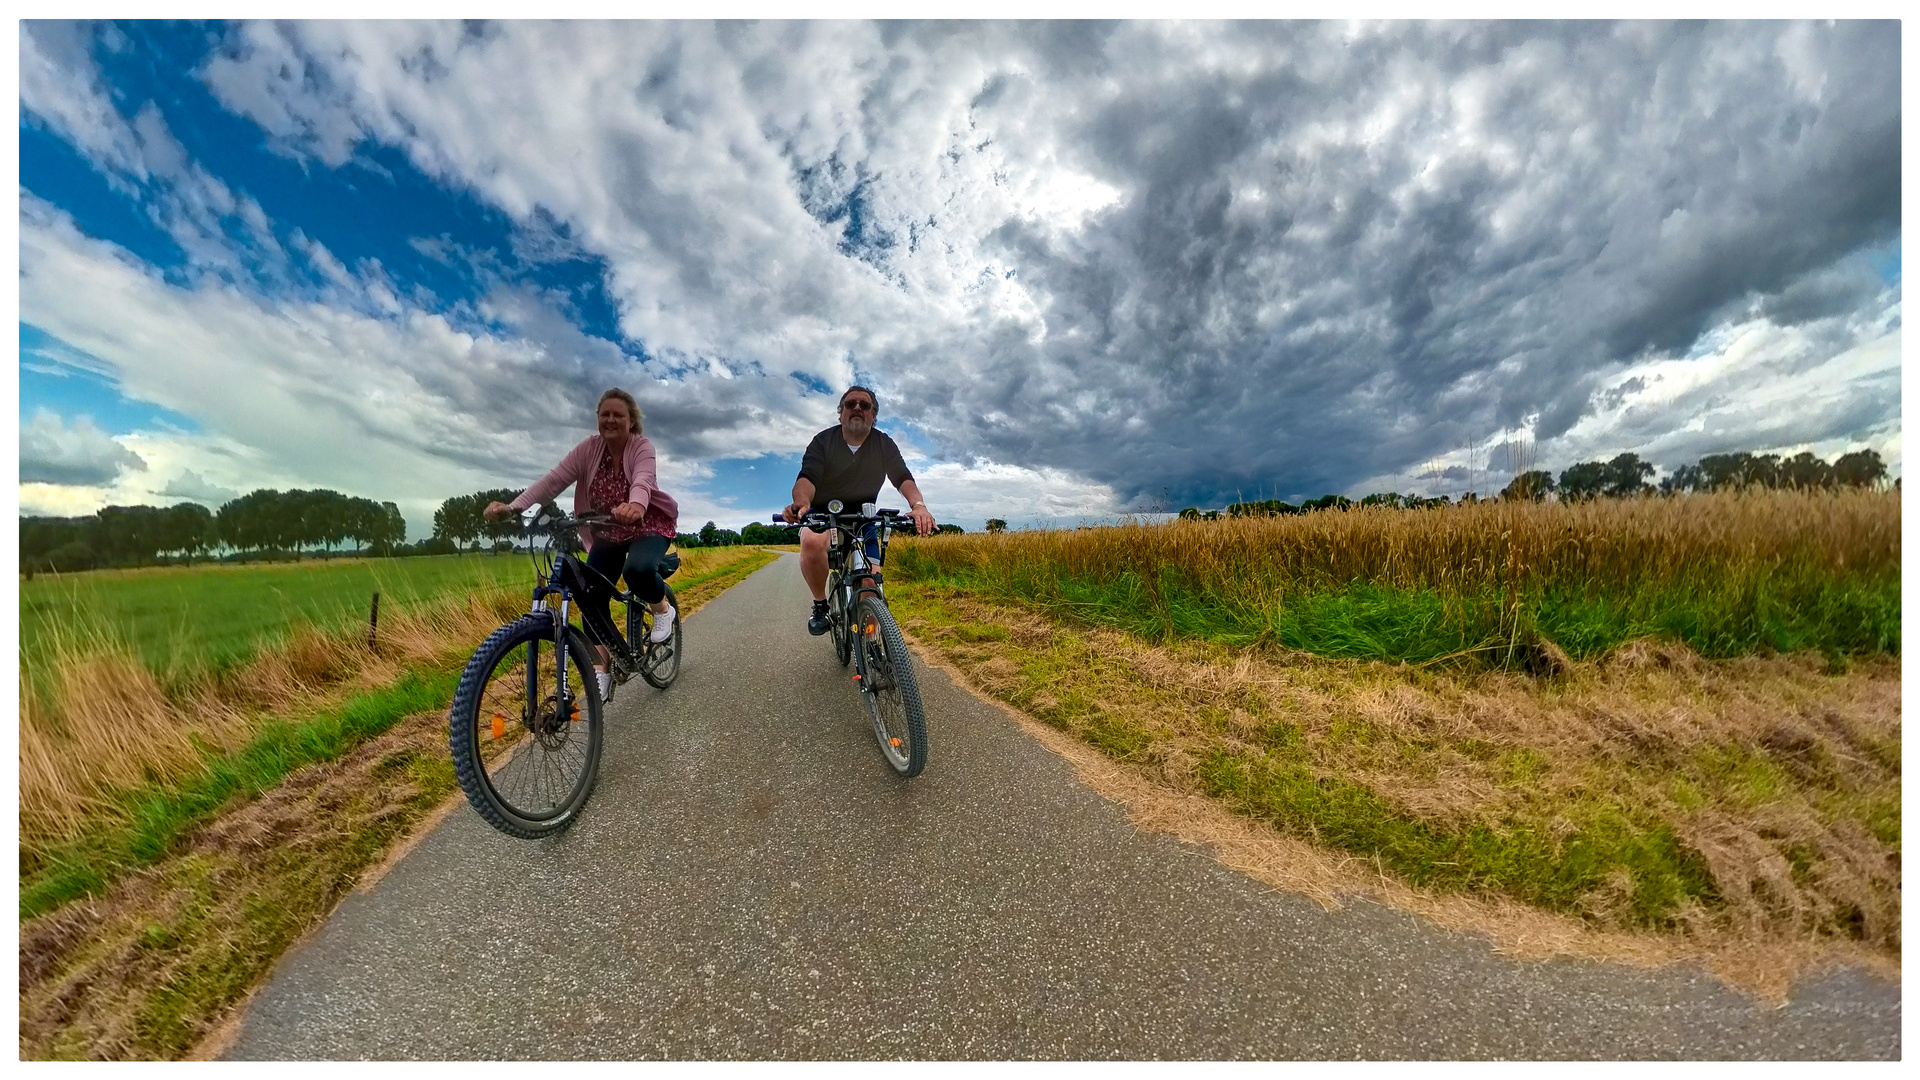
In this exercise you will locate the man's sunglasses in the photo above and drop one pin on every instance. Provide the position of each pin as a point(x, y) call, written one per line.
point(857, 405)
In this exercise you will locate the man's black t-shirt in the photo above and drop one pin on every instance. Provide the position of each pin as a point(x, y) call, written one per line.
point(838, 472)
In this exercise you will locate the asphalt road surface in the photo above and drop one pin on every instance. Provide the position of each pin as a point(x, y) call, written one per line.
point(751, 881)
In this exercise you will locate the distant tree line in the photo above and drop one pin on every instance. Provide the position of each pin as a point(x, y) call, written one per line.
point(1625, 476)
point(297, 521)
point(263, 523)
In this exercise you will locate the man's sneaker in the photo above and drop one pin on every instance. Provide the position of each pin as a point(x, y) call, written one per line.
point(606, 685)
point(819, 623)
point(662, 626)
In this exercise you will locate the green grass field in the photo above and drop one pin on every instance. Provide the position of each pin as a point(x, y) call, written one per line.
point(186, 620)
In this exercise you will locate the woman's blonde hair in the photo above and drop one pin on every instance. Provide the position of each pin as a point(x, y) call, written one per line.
point(633, 407)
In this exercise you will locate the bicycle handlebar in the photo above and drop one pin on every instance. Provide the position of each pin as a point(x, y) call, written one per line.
point(557, 521)
point(822, 520)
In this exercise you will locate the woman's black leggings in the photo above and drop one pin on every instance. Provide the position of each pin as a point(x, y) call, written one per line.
point(637, 559)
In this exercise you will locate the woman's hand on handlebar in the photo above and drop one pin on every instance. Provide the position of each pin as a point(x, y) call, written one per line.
point(498, 510)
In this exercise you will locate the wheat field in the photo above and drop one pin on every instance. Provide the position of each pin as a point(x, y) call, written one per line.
point(1727, 574)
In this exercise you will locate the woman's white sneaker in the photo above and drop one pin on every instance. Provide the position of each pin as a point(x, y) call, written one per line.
point(605, 679)
point(662, 626)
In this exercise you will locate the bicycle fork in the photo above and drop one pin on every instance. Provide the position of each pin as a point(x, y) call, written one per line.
point(871, 681)
point(563, 701)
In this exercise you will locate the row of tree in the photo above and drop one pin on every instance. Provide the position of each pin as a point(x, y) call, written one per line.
point(1625, 476)
point(269, 520)
point(262, 522)
point(115, 536)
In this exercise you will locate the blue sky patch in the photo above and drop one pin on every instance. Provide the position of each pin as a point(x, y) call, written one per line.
point(766, 480)
point(55, 376)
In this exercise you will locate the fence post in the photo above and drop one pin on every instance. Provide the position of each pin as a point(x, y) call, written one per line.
point(373, 620)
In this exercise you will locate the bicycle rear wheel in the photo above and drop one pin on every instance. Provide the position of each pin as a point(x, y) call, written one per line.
point(527, 754)
point(659, 661)
point(891, 692)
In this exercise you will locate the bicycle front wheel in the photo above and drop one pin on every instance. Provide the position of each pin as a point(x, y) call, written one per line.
point(526, 751)
point(660, 660)
point(889, 688)
point(842, 620)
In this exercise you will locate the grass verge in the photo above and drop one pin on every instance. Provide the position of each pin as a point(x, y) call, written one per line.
point(172, 898)
point(142, 970)
point(1649, 792)
point(151, 820)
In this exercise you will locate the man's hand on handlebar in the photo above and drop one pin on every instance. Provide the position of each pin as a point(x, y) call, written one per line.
point(793, 513)
point(922, 520)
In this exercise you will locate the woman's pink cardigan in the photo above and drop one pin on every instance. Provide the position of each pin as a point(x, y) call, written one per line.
point(662, 514)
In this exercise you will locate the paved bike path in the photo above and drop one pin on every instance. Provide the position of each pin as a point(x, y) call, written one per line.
point(751, 881)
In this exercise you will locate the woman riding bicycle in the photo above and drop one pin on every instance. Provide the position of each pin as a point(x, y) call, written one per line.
point(613, 472)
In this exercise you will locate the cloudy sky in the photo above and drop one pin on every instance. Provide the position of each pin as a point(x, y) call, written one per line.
point(1089, 268)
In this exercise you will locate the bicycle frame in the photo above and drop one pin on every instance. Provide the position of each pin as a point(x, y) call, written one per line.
point(553, 583)
point(849, 556)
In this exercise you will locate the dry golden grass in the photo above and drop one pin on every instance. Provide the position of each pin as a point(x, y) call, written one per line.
point(114, 727)
point(1462, 549)
point(1512, 584)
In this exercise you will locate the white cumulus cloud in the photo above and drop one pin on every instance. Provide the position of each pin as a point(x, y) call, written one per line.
point(53, 451)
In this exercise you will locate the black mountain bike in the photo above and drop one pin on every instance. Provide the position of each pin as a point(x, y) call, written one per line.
point(525, 725)
point(864, 631)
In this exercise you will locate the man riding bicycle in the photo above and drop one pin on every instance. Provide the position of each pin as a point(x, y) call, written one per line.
point(848, 462)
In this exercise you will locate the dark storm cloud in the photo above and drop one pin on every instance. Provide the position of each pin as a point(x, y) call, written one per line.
point(1394, 296)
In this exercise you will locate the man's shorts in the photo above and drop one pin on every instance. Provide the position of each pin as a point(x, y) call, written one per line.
point(870, 539)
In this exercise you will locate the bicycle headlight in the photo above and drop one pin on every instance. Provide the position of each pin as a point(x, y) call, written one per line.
point(835, 506)
point(867, 509)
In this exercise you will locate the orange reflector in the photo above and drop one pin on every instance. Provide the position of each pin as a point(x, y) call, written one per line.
point(895, 742)
point(856, 678)
point(499, 726)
